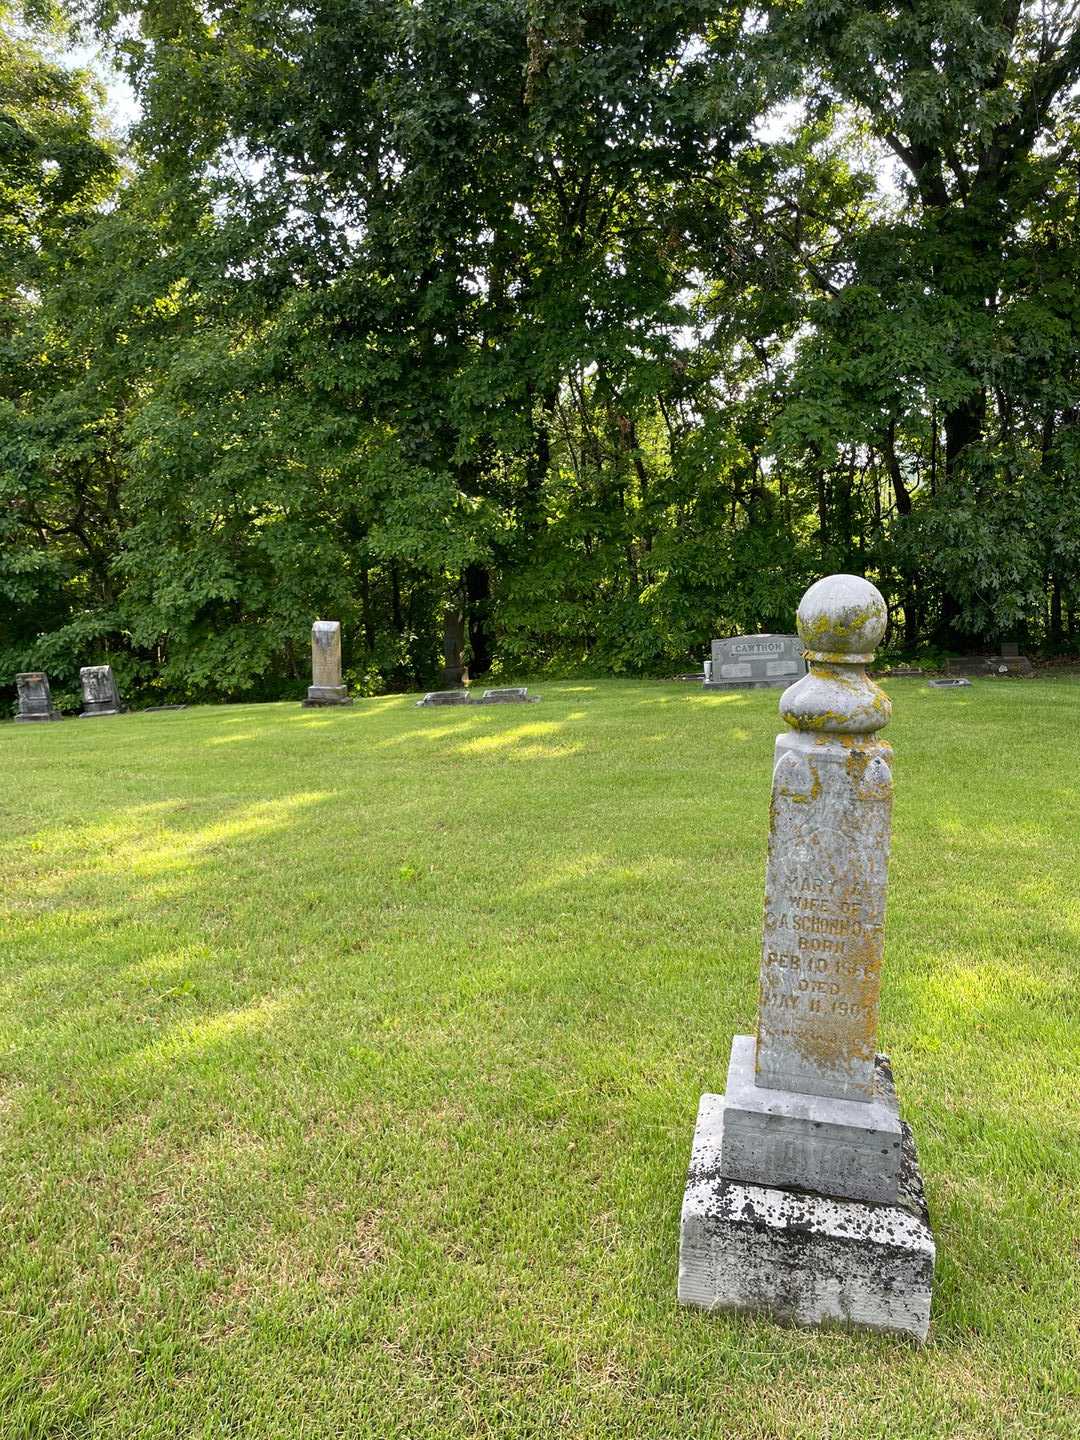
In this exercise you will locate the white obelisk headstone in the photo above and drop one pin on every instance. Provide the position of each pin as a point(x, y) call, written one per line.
point(326, 687)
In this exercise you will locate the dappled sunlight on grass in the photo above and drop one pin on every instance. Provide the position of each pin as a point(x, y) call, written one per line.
point(506, 739)
point(122, 845)
point(188, 1038)
point(733, 697)
point(434, 732)
point(164, 966)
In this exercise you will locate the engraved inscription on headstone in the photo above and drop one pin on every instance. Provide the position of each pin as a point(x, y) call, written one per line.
point(326, 687)
point(99, 692)
point(824, 918)
point(754, 662)
point(810, 1109)
point(35, 697)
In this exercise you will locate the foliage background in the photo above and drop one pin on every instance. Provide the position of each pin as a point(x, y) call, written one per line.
point(531, 335)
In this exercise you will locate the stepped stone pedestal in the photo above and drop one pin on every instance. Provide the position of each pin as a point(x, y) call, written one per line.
point(804, 1199)
point(326, 687)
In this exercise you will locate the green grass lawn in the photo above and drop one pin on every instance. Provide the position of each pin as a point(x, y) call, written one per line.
point(349, 1064)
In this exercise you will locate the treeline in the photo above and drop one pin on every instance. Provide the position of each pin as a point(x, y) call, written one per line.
point(530, 335)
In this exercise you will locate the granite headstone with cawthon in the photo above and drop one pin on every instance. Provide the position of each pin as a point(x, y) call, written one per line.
point(755, 662)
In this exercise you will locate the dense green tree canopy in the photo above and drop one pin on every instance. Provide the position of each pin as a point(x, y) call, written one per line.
point(525, 334)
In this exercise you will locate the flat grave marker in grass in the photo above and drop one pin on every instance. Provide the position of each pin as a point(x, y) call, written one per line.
point(804, 1198)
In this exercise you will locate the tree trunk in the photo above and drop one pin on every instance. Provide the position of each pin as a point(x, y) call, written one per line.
point(963, 427)
point(454, 641)
point(365, 602)
point(395, 598)
point(538, 461)
point(478, 604)
point(1057, 630)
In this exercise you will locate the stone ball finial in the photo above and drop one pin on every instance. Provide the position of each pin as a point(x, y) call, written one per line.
point(841, 619)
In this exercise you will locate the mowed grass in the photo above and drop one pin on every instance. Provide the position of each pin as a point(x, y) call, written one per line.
point(349, 1064)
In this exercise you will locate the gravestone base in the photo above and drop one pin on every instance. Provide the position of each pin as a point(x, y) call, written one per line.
point(780, 683)
point(849, 1148)
point(321, 695)
point(44, 715)
point(94, 707)
point(800, 1257)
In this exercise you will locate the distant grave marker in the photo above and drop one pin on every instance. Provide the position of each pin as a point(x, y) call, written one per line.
point(445, 697)
point(35, 697)
point(511, 695)
point(326, 687)
point(755, 662)
point(99, 692)
point(1003, 664)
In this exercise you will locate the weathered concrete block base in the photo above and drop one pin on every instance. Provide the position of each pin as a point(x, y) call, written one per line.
point(802, 1258)
point(847, 1148)
point(319, 696)
point(780, 683)
point(89, 713)
point(51, 715)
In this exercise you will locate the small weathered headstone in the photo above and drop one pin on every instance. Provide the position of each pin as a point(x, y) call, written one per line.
point(445, 697)
point(35, 697)
point(755, 662)
point(948, 684)
point(99, 692)
point(804, 1199)
point(326, 687)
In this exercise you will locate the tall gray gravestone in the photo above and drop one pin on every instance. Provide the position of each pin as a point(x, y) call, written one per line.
point(326, 687)
point(804, 1198)
point(755, 662)
point(35, 697)
point(99, 692)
